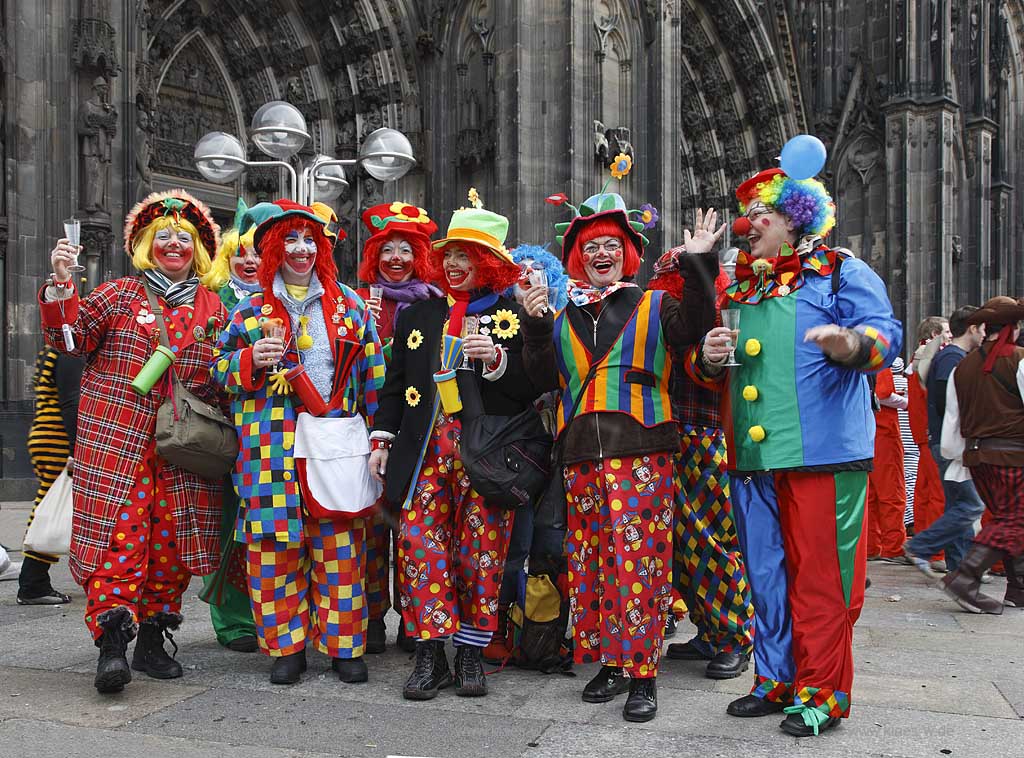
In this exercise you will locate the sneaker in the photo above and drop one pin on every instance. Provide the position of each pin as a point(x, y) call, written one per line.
point(939, 567)
point(919, 563)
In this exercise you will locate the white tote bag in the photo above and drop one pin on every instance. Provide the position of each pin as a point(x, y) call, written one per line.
point(332, 457)
point(50, 531)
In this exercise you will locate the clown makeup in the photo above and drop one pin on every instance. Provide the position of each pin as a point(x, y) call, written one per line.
point(769, 229)
point(172, 251)
point(245, 263)
point(602, 260)
point(523, 284)
point(459, 269)
point(299, 256)
point(396, 259)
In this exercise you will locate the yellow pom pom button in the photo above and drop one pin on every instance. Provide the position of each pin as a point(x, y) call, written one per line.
point(750, 393)
point(757, 433)
point(752, 346)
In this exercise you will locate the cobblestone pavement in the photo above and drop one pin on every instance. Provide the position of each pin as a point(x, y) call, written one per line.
point(931, 681)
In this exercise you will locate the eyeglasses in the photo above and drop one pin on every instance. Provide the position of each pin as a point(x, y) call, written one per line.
point(611, 246)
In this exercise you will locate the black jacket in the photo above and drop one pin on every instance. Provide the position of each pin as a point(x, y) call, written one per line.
point(505, 396)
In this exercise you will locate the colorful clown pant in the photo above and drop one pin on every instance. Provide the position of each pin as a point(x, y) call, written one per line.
point(619, 546)
point(381, 532)
point(707, 566)
point(141, 570)
point(803, 541)
point(311, 591)
point(451, 549)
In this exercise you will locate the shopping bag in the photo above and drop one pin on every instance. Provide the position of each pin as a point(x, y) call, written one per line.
point(50, 530)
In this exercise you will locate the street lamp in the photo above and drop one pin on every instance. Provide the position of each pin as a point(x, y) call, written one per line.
point(279, 131)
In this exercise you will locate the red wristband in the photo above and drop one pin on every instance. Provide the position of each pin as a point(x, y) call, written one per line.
point(380, 444)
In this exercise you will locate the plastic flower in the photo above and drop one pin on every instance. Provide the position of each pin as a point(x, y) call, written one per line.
point(415, 339)
point(649, 215)
point(558, 199)
point(506, 324)
point(621, 165)
point(409, 213)
point(412, 396)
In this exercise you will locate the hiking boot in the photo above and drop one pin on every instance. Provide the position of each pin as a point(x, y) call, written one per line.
point(431, 672)
point(287, 669)
point(150, 657)
point(642, 703)
point(119, 628)
point(606, 684)
point(376, 636)
point(499, 649)
point(964, 584)
point(470, 680)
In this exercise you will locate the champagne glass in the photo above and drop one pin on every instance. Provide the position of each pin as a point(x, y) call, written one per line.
point(731, 321)
point(277, 332)
point(539, 278)
point(377, 295)
point(73, 232)
point(470, 325)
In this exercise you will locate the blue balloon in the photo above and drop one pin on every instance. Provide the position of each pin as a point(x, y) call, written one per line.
point(803, 156)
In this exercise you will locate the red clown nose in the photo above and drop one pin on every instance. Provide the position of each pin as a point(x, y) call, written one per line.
point(741, 226)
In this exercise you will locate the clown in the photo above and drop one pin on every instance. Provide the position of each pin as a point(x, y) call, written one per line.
point(142, 527)
point(302, 365)
point(396, 259)
point(233, 273)
point(414, 437)
point(797, 414)
point(614, 333)
point(707, 569)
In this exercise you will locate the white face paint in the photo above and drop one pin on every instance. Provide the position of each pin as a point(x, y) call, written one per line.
point(459, 269)
point(396, 259)
point(299, 255)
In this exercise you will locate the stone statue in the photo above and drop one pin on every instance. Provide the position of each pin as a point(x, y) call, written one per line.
point(143, 150)
point(600, 141)
point(97, 125)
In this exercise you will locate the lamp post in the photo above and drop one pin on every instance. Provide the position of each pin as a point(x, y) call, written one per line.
point(279, 131)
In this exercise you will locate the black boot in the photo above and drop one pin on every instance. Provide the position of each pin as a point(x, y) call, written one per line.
point(350, 670)
point(112, 672)
point(687, 651)
point(470, 680)
point(727, 665)
point(642, 703)
point(405, 643)
point(150, 657)
point(1014, 581)
point(795, 725)
point(376, 636)
point(34, 586)
point(606, 684)
point(964, 584)
point(752, 706)
point(431, 672)
point(287, 669)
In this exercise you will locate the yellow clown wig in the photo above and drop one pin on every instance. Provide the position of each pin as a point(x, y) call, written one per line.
point(142, 245)
point(231, 245)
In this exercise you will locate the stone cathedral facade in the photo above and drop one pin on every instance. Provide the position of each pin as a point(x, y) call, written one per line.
point(920, 102)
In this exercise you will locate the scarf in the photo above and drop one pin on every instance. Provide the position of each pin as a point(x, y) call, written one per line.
point(1003, 347)
point(404, 293)
point(461, 304)
point(173, 293)
point(584, 293)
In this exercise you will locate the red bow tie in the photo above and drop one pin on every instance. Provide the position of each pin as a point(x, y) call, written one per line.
point(783, 269)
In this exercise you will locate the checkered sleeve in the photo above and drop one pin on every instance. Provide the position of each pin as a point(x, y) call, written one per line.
point(88, 317)
point(232, 367)
point(694, 368)
point(371, 370)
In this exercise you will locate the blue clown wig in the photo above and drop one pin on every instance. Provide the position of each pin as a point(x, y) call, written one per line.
point(557, 278)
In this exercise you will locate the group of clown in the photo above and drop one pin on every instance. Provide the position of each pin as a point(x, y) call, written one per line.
point(735, 486)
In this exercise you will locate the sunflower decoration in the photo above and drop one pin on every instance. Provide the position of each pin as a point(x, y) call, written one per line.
point(412, 396)
point(408, 213)
point(415, 339)
point(506, 324)
point(621, 165)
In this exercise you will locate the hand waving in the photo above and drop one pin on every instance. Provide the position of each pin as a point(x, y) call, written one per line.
point(704, 235)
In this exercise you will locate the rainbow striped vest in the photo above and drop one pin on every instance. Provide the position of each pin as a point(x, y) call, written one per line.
point(632, 378)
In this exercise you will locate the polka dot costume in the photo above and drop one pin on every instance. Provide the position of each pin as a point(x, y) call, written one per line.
point(619, 546)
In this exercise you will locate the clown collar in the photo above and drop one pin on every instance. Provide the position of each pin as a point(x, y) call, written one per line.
point(757, 279)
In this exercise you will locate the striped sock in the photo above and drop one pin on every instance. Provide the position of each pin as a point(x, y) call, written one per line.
point(470, 636)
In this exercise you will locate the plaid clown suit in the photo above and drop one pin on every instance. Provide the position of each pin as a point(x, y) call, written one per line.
point(305, 573)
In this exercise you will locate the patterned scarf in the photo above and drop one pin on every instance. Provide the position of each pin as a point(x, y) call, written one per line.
point(404, 293)
point(584, 293)
point(461, 304)
point(173, 293)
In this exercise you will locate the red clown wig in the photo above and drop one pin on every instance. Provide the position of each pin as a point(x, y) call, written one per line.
point(272, 251)
point(370, 265)
point(602, 227)
point(492, 273)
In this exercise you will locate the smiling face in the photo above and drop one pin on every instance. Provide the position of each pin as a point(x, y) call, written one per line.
point(299, 256)
point(769, 229)
point(173, 250)
point(396, 259)
point(245, 263)
point(459, 270)
point(602, 260)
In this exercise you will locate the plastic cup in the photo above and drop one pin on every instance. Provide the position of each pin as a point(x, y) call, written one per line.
point(73, 232)
point(153, 369)
point(448, 389)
